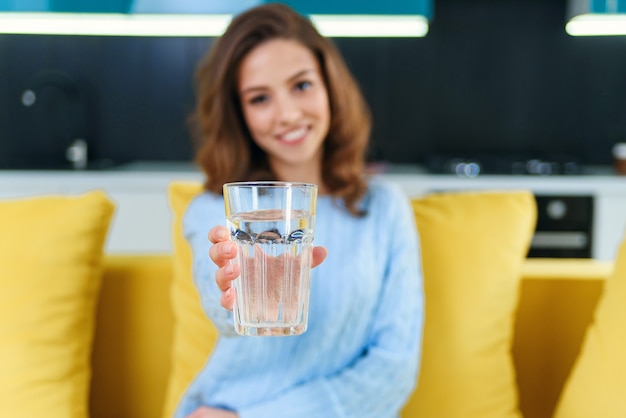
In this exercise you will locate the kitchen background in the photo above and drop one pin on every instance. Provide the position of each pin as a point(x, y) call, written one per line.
point(491, 78)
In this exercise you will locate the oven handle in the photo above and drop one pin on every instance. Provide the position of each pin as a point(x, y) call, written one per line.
point(559, 240)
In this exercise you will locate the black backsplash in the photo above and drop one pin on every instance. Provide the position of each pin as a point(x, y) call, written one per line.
point(490, 77)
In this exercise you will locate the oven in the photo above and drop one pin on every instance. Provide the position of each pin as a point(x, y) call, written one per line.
point(564, 222)
point(564, 226)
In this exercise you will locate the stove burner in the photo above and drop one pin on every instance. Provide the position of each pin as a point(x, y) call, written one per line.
point(472, 166)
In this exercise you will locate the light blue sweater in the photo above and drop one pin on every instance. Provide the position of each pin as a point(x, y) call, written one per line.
point(360, 354)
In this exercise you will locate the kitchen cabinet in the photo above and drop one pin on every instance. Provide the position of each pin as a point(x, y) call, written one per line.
point(142, 221)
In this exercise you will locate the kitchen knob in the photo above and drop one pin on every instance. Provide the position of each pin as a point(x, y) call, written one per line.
point(556, 209)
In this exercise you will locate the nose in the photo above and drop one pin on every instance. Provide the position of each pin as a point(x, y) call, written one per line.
point(287, 109)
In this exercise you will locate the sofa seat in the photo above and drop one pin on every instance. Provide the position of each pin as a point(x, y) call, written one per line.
point(131, 354)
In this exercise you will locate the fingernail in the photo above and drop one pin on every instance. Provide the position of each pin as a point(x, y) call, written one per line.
point(228, 270)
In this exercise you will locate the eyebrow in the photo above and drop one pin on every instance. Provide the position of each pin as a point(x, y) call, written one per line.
point(293, 77)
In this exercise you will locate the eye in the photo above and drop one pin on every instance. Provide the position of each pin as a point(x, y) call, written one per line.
point(261, 98)
point(303, 85)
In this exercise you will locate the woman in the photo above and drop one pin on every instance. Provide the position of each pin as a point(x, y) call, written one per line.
point(277, 102)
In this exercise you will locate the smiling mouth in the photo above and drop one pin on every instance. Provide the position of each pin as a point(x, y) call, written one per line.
point(295, 135)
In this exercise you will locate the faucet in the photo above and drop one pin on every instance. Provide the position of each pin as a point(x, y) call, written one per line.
point(76, 152)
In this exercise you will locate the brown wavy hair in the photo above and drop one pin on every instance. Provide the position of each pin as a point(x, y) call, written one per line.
point(225, 150)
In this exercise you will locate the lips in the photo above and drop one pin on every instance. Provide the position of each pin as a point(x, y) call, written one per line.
point(294, 135)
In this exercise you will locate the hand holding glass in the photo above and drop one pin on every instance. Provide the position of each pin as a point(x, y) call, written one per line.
point(272, 224)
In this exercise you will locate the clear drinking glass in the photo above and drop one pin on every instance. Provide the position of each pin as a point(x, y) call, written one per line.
point(272, 224)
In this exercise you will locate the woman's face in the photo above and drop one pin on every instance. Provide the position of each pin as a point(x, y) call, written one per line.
point(285, 106)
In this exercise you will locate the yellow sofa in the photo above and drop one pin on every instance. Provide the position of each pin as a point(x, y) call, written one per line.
point(492, 342)
point(134, 326)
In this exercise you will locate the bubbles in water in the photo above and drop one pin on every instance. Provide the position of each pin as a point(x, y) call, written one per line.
point(269, 237)
point(242, 236)
point(296, 236)
point(272, 227)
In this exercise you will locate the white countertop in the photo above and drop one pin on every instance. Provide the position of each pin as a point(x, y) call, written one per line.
point(142, 221)
point(413, 179)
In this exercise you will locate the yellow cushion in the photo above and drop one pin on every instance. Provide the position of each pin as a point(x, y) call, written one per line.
point(596, 386)
point(194, 334)
point(50, 265)
point(473, 248)
point(132, 346)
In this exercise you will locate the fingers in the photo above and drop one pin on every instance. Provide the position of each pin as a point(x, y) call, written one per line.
point(228, 299)
point(225, 275)
point(218, 233)
point(224, 278)
point(319, 255)
point(222, 250)
point(202, 412)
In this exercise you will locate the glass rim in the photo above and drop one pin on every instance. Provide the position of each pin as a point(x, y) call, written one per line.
point(270, 183)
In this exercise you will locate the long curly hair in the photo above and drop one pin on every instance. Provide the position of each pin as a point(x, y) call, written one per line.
point(225, 150)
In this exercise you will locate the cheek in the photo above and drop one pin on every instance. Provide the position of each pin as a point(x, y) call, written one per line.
point(327, 112)
point(317, 106)
point(324, 109)
point(256, 120)
point(323, 104)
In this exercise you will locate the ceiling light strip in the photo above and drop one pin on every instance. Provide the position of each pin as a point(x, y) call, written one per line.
point(112, 24)
point(371, 25)
point(592, 24)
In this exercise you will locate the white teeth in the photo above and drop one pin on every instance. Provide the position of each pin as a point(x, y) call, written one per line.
point(294, 135)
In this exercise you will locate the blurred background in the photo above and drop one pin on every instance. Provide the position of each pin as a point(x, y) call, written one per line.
point(491, 79)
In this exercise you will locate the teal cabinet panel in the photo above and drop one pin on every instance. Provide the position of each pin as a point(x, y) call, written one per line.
point(396, 7)
point(604, 6)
